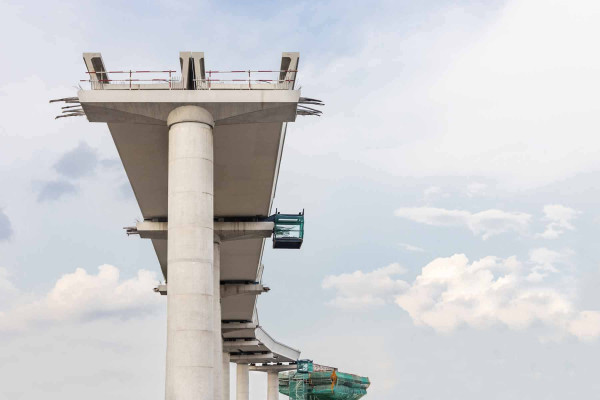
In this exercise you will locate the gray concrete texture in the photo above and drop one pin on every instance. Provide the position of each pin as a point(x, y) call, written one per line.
point(193, 155)
point(191, 365)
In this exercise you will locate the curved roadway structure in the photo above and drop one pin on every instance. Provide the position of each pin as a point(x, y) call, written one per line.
point(156, 126)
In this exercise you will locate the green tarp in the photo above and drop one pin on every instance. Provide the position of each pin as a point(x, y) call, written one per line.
point(325, 385)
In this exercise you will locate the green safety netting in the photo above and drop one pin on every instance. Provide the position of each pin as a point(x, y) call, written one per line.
point(322, 385)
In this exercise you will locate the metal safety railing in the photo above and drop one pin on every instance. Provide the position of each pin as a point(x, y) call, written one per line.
point(99, 79)
point(213, 83)
point(131, 82)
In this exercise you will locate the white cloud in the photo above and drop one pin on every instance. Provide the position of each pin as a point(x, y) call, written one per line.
point(559, 220)
point(80, 296)
point(499, 99)
point(485, 223)
point(544, 263)
point(476, 189)
point(586, 326)
point(451, 292)
point(410, 247)
point(362, 290)
point(433, 192)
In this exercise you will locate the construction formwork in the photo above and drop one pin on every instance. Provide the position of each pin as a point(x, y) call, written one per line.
point(309, 383)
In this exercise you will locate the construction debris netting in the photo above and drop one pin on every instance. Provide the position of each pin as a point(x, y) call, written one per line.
point(322, 385)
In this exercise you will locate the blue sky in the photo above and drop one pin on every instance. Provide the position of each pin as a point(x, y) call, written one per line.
point(450, 192)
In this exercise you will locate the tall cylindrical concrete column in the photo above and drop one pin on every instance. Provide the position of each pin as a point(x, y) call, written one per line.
point(190, 308)
point(272, 385)
point(242, 385)
point(217, 319)
point(226, 372)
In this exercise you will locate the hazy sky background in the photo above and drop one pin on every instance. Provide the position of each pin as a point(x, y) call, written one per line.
point(450, 191)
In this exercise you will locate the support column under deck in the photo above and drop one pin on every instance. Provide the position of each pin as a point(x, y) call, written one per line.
point(226, 372)
point(272, 385)
point(217, 319)
point(190, 372)
point(242, 385)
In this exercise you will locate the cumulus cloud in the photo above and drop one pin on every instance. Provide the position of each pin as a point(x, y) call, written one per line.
point(54, 190)
point(451, 292)
point(485, 223)
point(80, 296)
point(544, 263)
point(586, 326)
point(360, 290)
point(559, 220)
point(5, 226)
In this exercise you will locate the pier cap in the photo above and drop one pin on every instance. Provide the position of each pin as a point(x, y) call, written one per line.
point(190, 114)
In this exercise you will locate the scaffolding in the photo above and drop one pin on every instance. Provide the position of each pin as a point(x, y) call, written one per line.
point(309, 382)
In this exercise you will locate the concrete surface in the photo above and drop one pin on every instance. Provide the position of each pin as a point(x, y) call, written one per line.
point(192, 155)
point(190, 372)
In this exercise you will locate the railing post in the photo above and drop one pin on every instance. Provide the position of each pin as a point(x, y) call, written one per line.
point(129, 79)
point(249, 80)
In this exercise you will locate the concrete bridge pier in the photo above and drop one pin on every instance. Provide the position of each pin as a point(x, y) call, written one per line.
point(272, 385)
point(242, 382)
point(191, 367)
point(226, 372)
point(217, 319)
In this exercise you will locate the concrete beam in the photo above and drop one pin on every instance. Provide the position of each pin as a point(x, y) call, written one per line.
point(229, 289)
point(286, 353)
point(226, 230)
point(95, 66)
point(244, 230)
point(162, 289)
point(272, 367)
point(239, 344)
point(249, 358)
point(236, 326)
point(289, 62)
point(150, 230)
point(234, 289)
point(154, 106)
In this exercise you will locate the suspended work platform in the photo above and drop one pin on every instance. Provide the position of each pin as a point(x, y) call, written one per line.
point(288, 232)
